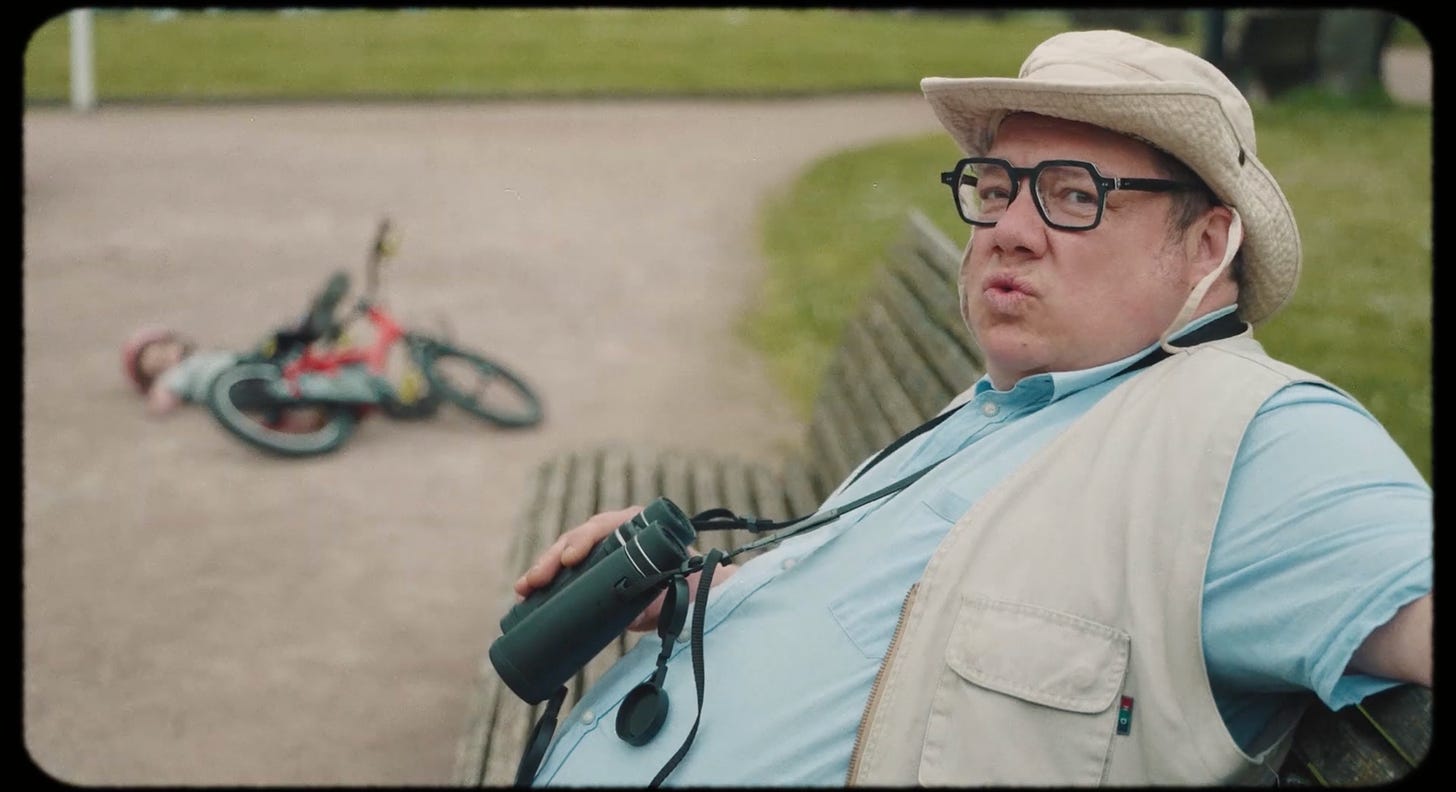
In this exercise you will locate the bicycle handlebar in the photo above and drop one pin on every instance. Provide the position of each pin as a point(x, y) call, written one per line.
point(319, 322)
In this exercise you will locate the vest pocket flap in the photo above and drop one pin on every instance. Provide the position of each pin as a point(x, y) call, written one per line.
point(1039, 655)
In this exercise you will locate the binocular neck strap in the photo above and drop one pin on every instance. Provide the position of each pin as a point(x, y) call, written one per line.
point(721, 519)
point(540, 739)
point(710, 563)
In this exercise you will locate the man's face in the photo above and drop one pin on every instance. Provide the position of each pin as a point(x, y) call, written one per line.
point(1039, 299)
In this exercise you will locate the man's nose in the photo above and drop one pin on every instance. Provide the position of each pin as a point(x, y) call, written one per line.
point(1020, 225)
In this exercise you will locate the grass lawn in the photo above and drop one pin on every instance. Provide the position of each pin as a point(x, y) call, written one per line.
point(474, 53)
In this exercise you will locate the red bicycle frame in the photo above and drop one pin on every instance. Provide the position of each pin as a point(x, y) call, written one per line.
point(373, 356)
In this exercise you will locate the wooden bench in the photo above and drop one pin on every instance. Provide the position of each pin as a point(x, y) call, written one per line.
point(901, 360)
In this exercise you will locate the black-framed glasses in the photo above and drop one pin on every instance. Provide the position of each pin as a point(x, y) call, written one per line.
point(1069, 194)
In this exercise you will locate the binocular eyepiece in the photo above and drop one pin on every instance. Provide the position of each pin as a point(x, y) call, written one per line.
point(553, 632)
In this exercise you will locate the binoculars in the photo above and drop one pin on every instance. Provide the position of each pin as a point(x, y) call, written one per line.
point(552, 633)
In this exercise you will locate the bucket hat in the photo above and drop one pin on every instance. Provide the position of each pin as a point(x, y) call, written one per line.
point(1165, 96)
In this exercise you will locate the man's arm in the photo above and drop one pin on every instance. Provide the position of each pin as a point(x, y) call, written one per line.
point(1400, 648)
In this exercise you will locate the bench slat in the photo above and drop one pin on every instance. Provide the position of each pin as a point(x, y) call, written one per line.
point(581, 503)
point(541, 523)
point(930, 243)
point(611, 493)
point(738, 496)
point(931, 268)
point(943, 342)
point(901, 413)
point(800, 489)
point(1403, 715)
point(774, 503)
point(708, 494)
point(769, 492)
point(843, 449)
point(646, 485)
point(646, 475)
point(1355, 746)
point(872, 377)
point(471, 753)
point(828, 461)
point(614, 485)
point(921, 384)
point(512, 719)
point(677, 481)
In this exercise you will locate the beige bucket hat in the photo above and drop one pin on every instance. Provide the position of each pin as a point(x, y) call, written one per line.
point(1162, 95)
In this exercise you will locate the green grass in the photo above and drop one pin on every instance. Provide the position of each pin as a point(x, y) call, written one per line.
point(1360, 182)
point(451, 53)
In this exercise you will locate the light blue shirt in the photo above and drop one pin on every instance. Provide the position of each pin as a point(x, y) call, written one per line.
point(1326, 530)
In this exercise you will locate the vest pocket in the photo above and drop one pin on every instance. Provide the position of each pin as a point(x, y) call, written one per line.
point(1026, 696)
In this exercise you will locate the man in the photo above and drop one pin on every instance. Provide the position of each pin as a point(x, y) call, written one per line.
point(1140, 541)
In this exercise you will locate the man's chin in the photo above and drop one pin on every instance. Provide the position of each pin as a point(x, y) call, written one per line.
point(1009, 356)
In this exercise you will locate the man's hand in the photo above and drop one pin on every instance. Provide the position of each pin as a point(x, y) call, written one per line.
point(574, 545)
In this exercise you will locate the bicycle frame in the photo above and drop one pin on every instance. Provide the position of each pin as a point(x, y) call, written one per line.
point(387, 331)
point(375, 356)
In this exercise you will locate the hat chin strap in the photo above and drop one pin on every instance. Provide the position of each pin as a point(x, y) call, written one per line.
point(1235, 238)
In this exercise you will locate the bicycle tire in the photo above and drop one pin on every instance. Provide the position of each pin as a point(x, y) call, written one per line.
point(462, 377)
point(238, 400)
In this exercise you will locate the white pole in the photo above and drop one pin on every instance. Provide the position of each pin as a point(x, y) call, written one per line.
point(83, 77)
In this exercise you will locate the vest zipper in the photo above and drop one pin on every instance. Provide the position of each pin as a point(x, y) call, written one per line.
point(864, 719)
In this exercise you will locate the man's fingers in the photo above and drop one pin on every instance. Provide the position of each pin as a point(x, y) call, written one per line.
point(571, 548)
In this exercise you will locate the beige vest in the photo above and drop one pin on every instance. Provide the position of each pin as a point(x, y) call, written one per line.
point(1071, 591)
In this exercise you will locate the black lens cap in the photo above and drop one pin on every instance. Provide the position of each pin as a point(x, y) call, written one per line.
point(642, 714)
point(674, 613)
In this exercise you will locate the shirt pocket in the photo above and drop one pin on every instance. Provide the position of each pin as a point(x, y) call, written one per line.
point(868, 612)
point(947, 505)
point(1026, 696)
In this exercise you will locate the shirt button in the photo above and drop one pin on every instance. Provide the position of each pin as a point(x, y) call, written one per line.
point(789, 563)
point(989, 408)
point(587, 717)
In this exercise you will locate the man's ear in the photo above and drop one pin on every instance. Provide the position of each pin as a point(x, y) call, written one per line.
point(1207, 239)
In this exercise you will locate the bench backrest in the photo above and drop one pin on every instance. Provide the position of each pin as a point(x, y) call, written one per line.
point(903, 356)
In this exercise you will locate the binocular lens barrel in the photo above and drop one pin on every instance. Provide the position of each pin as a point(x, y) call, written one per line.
point(556, 630)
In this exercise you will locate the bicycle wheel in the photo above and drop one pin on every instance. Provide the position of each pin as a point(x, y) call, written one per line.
point(242, 400)
point(477, 385)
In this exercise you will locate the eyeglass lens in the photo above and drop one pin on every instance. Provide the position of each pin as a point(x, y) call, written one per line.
point(1067, 194)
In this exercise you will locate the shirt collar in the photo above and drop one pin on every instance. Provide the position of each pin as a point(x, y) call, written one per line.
point(1064, 383)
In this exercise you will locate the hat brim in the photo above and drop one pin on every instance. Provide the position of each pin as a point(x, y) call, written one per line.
point(1182, 119)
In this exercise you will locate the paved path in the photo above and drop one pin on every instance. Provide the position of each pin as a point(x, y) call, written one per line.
point(198, 614)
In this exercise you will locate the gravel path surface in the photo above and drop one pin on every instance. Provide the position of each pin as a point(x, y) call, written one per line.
point(199, 614)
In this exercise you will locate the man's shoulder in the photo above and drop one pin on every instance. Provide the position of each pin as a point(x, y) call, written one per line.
point(1245, 354)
